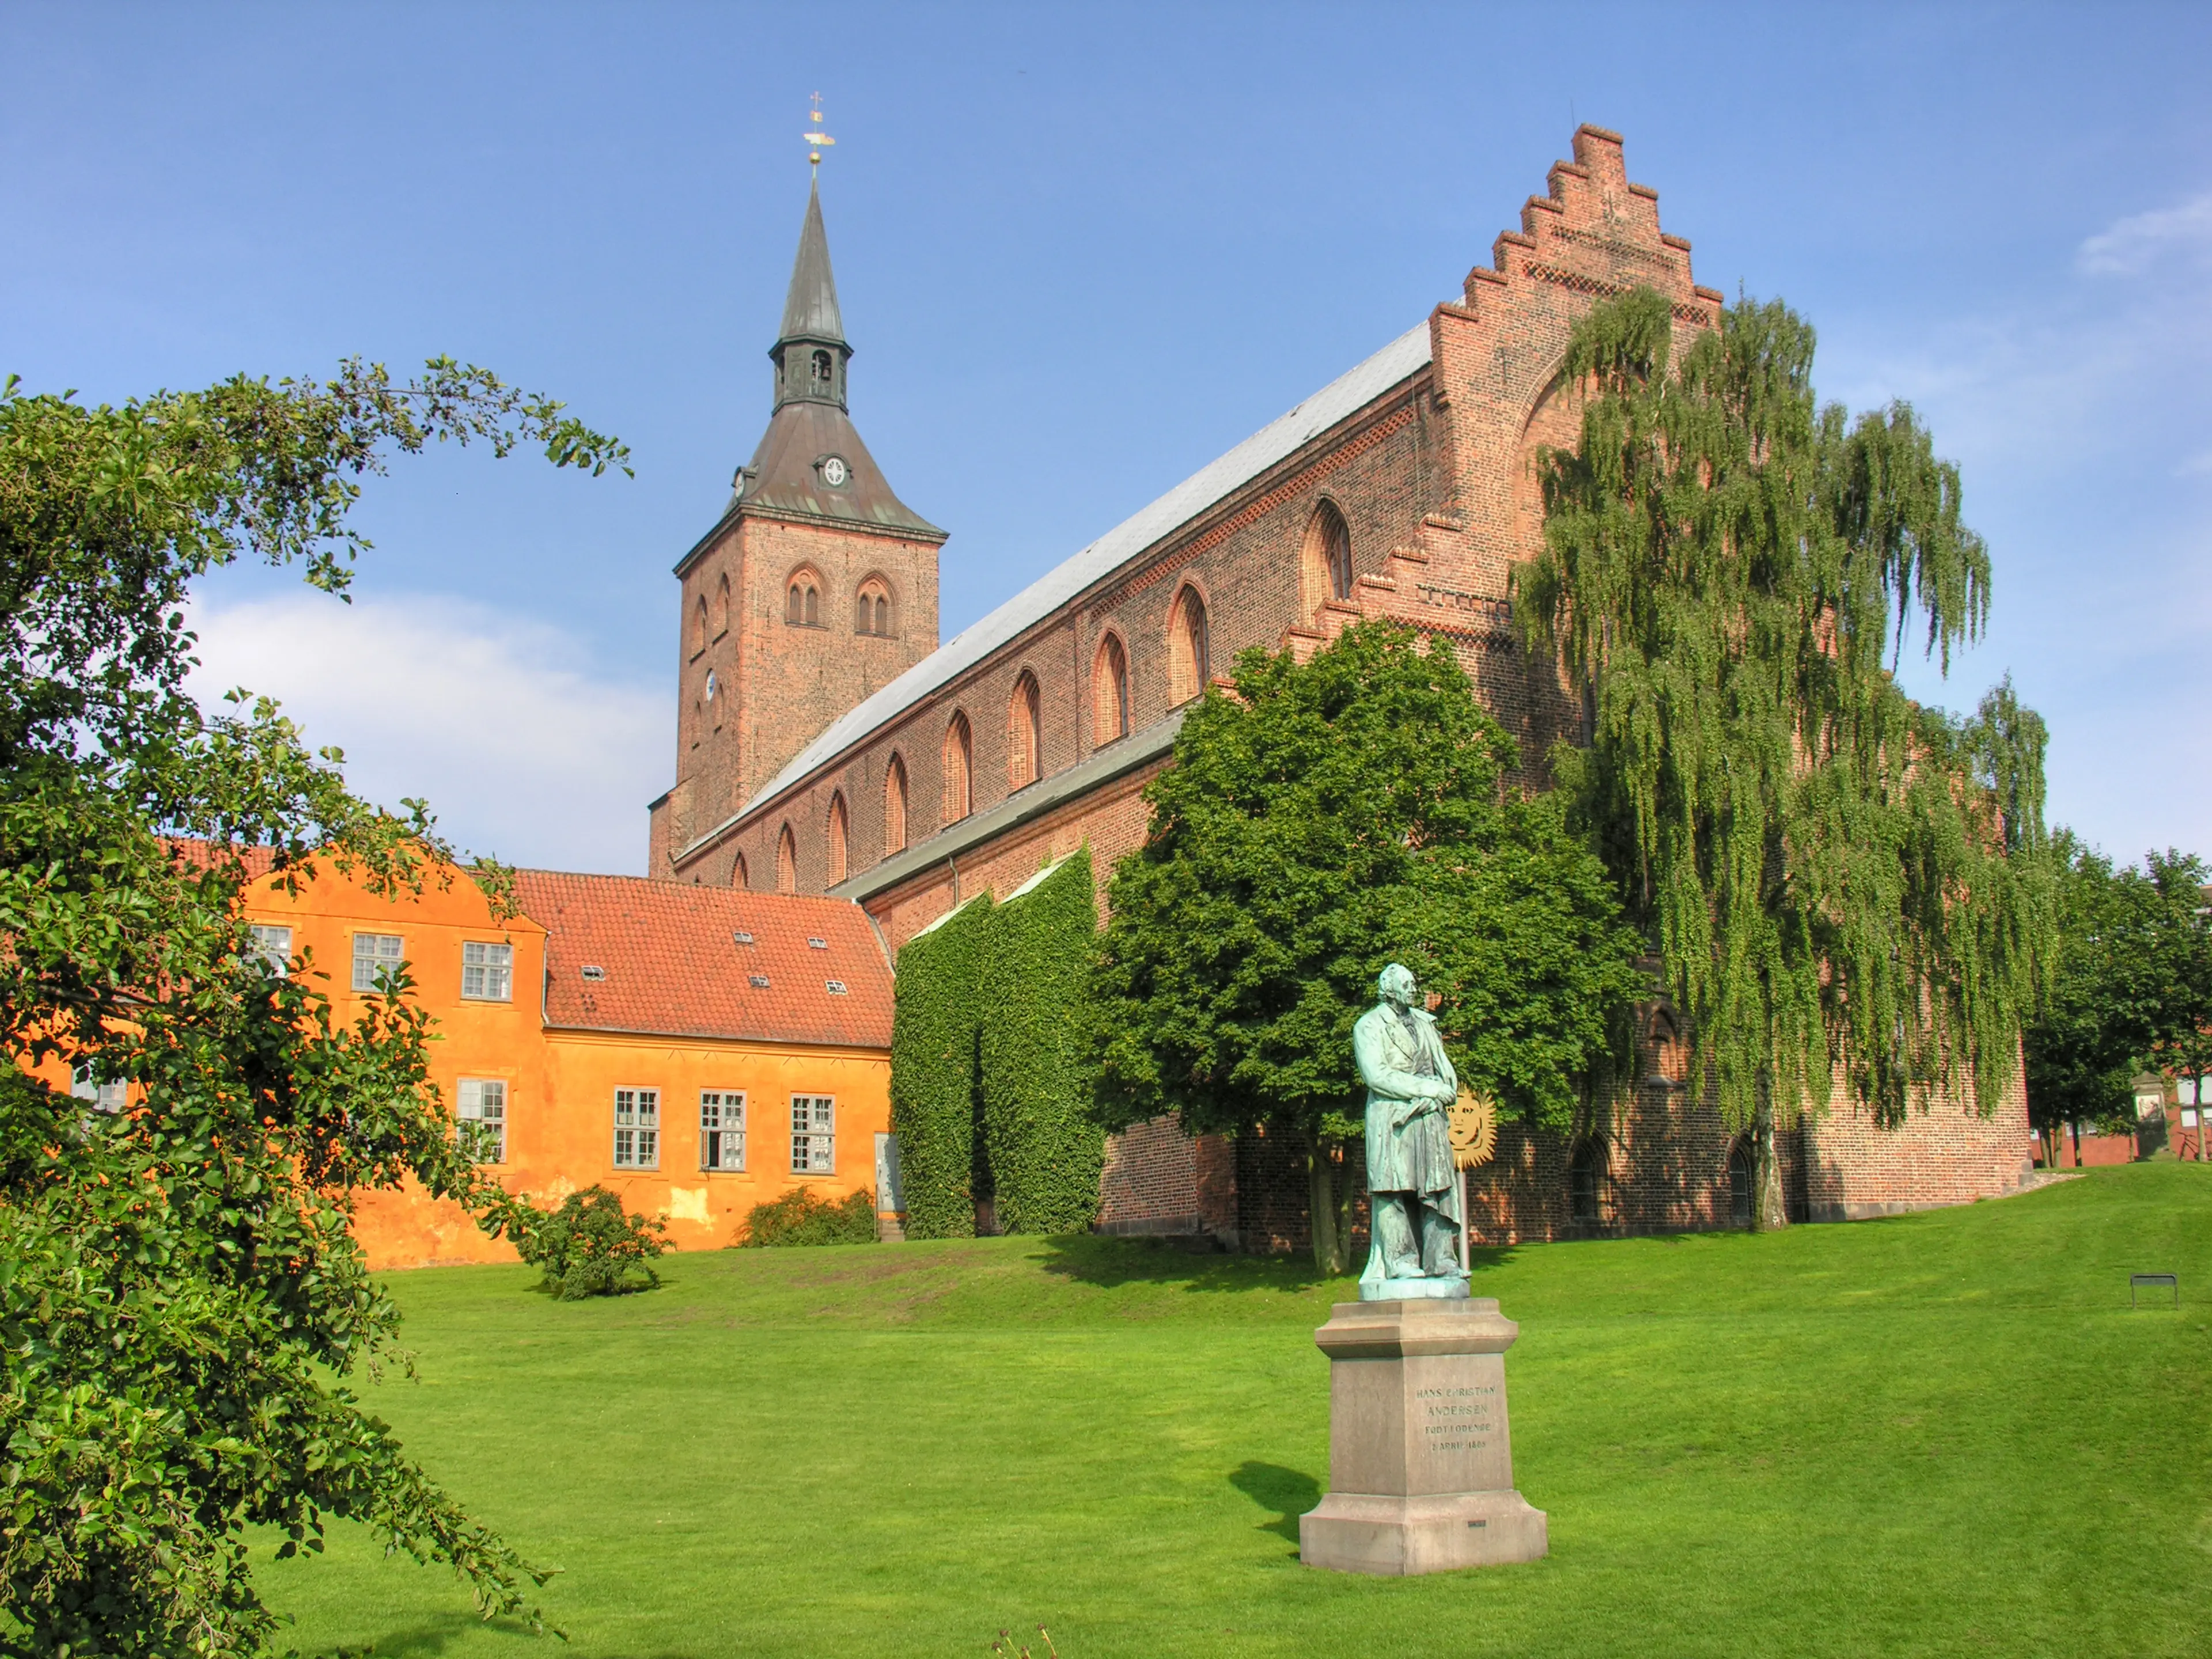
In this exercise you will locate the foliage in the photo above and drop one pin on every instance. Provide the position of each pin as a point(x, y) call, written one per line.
point(591, 1246)
point(2131, 985)
point(184, 1311)
point(1326, 819)
point(1045, 1149)
point(802, 1216)
point(935, 1091)
point(1836, 879)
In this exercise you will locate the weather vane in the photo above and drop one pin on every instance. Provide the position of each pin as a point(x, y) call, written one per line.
point(815, 138)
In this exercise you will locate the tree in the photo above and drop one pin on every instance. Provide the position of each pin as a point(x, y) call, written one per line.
point(1840, 883)
point(182, 1303)
point(1318, 822)
point(2131, 985)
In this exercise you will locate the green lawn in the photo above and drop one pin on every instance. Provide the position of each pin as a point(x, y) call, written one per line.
point(1943, 1433)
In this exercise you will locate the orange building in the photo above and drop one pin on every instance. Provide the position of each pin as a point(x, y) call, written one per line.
point(698, 1053)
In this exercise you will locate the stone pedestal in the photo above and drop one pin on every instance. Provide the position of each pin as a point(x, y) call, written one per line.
point(1421, 1463)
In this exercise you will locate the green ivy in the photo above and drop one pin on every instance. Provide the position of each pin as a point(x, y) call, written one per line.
point(933, 1071)
point(1045, 1149)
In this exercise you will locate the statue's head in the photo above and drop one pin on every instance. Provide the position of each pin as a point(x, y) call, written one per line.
point(1397, 985)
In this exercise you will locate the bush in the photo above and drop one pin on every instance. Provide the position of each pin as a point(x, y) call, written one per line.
point(800, 1218)
point(591, 1246)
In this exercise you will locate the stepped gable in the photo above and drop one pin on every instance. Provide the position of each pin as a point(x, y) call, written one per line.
point(672, 965)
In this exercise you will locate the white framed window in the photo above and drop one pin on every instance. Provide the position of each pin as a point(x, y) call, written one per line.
point(813, 1134)
point(273, 946)
point(481, 1108)
point(637, 1129)
point(101, 1097)
point(375, 959)
point(487, 972)
point(2189, 1117)
point(721, 1129)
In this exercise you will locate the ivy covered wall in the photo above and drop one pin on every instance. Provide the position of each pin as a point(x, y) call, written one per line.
point(1045, 1151)
point(987, 1097)
point(934, 1096)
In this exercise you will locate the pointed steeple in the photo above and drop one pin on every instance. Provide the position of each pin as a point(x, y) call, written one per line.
point(810, 350)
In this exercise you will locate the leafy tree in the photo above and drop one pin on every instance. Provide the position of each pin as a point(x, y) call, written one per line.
point(591, 1246)
point(182, 1304)
point(1839, 882)
point(1321, 822)
point(2131, 987)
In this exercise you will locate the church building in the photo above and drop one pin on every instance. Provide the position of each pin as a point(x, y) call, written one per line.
point(827, 744)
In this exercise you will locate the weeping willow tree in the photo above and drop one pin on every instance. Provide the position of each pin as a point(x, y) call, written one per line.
point(1842, 884)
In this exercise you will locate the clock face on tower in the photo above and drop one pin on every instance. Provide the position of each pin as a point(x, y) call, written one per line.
point(835, 472)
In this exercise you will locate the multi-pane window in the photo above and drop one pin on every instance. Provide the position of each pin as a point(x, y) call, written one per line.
point(637, 1129)
point(101, 1097)
point(813, 1134)
point(273, 946)
point(482, 1110)
point(487, 972)
point(376, 960)
point(721, 1129)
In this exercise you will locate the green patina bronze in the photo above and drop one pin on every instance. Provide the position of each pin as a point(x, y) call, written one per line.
point(1415, 1211)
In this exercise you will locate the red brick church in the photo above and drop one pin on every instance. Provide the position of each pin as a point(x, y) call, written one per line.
point(827, 743)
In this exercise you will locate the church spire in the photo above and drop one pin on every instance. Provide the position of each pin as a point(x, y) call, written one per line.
point(810, 351)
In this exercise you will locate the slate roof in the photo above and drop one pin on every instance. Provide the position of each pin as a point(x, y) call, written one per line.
point(672, 964)
point(784, 475)
point(809, 308)
point(1404, 357)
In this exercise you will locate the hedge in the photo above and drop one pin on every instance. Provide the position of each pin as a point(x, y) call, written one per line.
point(1045, 1152)
point(934, 1100)
point(800, 1217)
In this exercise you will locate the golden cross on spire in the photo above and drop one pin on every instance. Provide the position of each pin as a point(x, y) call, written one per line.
point(815, 138)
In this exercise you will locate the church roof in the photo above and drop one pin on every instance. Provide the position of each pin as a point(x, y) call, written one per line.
point(1404, 357)
point(810, 309)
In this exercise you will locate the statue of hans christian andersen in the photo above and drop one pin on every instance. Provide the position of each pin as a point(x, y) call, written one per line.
point(1412, 1186)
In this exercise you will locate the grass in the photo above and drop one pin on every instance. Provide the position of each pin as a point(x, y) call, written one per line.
point(1943, 1433)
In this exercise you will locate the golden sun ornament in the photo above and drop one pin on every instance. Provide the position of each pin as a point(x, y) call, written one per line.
point(1473, 1129)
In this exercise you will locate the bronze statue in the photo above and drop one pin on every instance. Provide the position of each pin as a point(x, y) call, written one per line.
point(1413, 1191)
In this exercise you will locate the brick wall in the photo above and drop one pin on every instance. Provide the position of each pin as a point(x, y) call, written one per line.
point(1150, 1184)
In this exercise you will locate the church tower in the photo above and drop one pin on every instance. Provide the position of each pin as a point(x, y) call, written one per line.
point(815, 587)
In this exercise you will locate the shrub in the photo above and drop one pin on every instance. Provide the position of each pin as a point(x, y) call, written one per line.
point(800, 1218)
point(591, 1246)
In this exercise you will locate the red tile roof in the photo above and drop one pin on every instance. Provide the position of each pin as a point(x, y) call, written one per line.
point(673, 963)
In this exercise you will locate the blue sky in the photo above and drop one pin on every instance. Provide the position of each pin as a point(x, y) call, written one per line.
point(1082, 251)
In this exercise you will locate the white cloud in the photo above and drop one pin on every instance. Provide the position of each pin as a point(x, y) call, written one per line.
point(520, 750)
point(2135, 243)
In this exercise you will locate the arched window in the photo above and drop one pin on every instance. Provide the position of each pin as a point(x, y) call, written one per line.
point(738, 876)
point(1670, 1059)
point(871, 608)
point(823, 369)
point(1110, 691)
point(1743, 1182)
point(1325, 565)
point(721, 615)
point(1024, 733)
point(895, 807)
point(1586, 1181)
point(802, 600)
point(699, 626)
point(786, 862)
point(959, 758)
point(1188, 669)
point(837, 830)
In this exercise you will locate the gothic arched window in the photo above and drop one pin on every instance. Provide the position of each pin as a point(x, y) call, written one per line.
point(1187, 667)
point(823, 369)
point(721, 620)
point(1024, 733)
point(802, 600)
point(871, 608)
point(786, 861)
point(1110, 691)
point(699, 626)
point(738, 872)
point(895, 807)
point(959, 761)
point(1586, 1172)
point(837, 832)
point(1325, 571)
